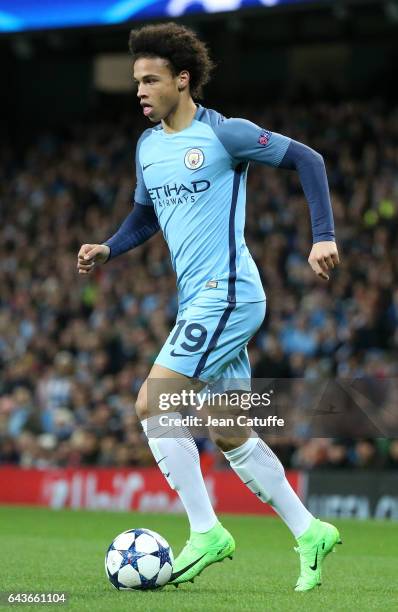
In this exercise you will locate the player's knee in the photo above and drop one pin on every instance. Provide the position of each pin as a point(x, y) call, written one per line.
point(141, 405)
point(226, 442)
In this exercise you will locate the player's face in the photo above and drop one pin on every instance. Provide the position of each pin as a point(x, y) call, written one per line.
point(158, 91)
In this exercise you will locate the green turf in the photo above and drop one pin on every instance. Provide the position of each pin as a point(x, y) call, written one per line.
point(44, 550)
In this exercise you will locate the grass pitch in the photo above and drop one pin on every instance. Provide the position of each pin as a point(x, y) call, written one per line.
point(43, 551)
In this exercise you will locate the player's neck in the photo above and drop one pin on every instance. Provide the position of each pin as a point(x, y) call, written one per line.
point(181, 117)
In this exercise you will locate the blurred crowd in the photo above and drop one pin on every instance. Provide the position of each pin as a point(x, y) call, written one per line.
point(74, 349)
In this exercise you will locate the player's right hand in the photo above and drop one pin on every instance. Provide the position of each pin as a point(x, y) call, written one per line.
point(91, 254)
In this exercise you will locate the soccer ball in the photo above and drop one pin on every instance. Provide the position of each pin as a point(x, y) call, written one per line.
point(139, 559)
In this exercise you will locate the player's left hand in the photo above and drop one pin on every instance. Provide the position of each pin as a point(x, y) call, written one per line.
point(324, 257)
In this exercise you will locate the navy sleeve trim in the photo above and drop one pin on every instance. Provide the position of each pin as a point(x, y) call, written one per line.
point(312, 172)
point(137, 228)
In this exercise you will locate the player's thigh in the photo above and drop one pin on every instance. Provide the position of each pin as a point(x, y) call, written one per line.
point(209, 335)
point(157, 389)
point(228, 357)
point(189, 338)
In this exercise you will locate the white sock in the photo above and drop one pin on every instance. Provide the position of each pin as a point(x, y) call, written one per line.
point(260, 469)
point(177, 455)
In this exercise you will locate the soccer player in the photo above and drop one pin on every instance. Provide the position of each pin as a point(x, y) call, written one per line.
point(191, 172)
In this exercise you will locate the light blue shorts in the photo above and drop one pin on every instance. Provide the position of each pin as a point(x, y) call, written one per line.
point(209, 340)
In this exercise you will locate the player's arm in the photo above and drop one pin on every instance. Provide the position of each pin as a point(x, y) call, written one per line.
point(137, 228)
point(312, 172)
point(140, 225)
point(246, 141)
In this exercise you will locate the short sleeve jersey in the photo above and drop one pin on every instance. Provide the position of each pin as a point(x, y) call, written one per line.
point(196, 181)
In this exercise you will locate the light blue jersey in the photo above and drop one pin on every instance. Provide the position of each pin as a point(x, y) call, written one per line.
point(196, 181)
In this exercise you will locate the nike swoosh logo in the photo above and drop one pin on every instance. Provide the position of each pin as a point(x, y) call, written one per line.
point(161, 459)
point(174, 354)
point(147, 166)
point(313, 567)
point(166, 475)
point(185, 569)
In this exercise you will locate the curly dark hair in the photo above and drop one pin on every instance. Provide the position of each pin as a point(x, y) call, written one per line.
point(180, 46)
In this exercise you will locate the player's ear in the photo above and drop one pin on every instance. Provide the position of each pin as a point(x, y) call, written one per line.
point(183, 80)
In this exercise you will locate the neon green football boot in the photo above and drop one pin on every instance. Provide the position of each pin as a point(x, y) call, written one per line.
point(313, 546)
point(200, 551)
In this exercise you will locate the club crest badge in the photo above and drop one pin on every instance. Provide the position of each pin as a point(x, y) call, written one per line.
point(194, 159)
